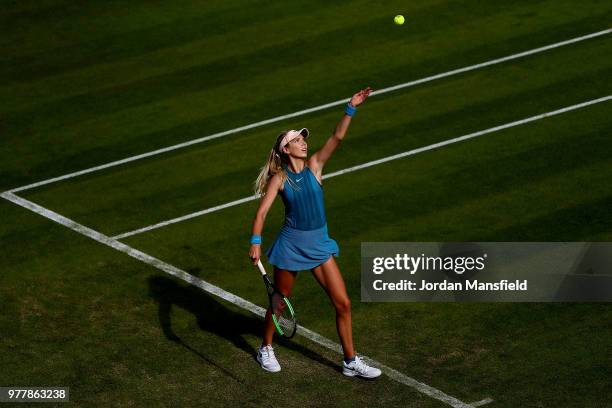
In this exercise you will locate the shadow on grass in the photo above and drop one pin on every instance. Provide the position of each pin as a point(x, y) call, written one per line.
point(214, 317)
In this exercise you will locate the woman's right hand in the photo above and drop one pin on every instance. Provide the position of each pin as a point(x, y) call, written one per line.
point(255, 253)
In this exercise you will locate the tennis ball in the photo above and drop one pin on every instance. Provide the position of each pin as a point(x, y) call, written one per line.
point(399, 19)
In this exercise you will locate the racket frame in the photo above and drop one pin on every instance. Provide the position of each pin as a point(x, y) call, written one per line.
point(270, 285)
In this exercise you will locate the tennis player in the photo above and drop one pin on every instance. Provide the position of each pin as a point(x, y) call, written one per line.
point(303, 242)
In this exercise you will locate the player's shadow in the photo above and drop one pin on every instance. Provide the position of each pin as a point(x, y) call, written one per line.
point(215, 318)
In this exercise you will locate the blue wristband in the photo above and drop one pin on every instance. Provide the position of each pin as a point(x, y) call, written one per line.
point(255, 239)
point(350, 109)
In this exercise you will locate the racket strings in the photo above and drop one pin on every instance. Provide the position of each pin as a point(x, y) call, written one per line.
point(282, 312)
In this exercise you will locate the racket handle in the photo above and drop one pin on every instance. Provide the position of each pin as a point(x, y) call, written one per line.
point(261, 267)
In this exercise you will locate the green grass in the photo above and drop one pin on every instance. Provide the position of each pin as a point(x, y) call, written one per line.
point(88, 84)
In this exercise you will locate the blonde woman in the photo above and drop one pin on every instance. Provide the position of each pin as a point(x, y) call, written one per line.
point(303, 242)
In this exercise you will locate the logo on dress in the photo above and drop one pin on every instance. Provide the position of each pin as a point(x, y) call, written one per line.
point(299, 179)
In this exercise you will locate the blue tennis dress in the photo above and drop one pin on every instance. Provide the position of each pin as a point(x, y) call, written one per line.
point(303, 242)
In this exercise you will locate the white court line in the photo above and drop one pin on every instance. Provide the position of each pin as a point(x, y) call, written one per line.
point(482, 402)
point(371, 163)
point(186, 217)
point(314, 109)
point(217, 291)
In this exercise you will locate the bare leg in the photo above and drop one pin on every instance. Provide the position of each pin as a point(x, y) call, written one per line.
point(284, 280)
point(329, 277)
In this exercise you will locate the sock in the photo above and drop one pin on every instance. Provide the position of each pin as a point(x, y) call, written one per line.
point(349, 360)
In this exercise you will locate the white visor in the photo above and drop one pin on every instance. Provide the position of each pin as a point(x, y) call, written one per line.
point(292, 134)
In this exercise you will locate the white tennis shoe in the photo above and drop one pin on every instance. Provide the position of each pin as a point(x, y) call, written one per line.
point(360, 369)
point(267, 359)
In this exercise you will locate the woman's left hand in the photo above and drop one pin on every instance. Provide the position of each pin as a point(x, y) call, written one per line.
point(361, 96)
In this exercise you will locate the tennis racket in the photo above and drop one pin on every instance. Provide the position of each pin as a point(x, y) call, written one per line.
point(283, 315)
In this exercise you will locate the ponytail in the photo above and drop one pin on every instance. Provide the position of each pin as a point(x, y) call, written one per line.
point(273, 166)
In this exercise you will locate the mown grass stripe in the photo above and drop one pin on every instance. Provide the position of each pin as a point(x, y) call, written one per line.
point(374, 163)
point(310, 110)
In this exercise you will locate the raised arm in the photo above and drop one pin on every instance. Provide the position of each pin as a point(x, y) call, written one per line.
point(260, 216)
point(319, 158)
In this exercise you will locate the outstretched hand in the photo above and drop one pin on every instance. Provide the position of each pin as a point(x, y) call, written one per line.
point(361, 96)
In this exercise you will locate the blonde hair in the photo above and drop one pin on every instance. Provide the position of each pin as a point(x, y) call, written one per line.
point(273, 166)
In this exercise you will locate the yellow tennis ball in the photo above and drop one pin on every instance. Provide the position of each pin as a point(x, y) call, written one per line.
point(399, 19)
